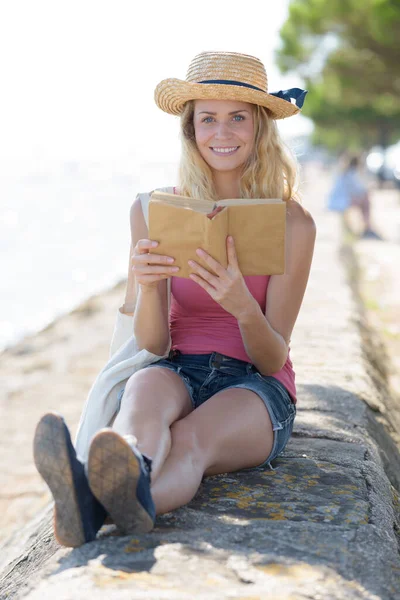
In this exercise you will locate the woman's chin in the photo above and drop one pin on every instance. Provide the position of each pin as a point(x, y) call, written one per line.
point(233, 166)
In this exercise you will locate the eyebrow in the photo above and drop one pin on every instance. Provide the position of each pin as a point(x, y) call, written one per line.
point(234, 112)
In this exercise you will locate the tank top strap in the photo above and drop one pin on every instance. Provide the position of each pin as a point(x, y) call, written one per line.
point(145, 199)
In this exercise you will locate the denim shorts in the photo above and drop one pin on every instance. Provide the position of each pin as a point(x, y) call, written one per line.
point(206, 374)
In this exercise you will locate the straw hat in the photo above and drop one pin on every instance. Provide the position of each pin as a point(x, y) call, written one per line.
point(227, 76)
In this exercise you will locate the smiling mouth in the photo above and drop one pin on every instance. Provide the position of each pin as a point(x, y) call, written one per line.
point(225, 151)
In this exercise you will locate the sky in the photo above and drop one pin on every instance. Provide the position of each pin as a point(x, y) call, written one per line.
point(78, 76)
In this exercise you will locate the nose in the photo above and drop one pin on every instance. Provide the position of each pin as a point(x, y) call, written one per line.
point(223, 131)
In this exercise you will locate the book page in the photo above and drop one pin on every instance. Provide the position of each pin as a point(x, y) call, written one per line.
point(207, 206)
point(197, 204)
point(244, 201)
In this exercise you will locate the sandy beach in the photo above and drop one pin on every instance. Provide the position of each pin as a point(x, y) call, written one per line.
point(52, 370)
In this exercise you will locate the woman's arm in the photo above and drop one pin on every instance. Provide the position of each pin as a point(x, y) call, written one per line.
point(266, 337)
point(150, 309)
point(143, 314)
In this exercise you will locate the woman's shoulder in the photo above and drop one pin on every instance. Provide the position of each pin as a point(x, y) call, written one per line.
point(301, 233)
point(299, 219)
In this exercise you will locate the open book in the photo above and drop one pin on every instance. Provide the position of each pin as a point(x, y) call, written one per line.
point(181, 225)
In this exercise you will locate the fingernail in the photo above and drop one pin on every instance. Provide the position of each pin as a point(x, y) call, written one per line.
point(154, 244)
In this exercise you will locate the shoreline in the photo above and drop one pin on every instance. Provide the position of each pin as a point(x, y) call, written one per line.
point(60, 314)
point(51, 370)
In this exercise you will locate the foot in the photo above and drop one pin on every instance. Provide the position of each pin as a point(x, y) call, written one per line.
point(119, 476)
point(370, 234)
point(77, 513)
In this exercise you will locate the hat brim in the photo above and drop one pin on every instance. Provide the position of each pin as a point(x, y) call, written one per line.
point(171, 95)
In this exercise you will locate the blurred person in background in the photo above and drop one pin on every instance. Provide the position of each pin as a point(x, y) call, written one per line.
point(349, 191)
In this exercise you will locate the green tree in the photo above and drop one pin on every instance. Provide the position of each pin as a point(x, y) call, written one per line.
point(348, 53)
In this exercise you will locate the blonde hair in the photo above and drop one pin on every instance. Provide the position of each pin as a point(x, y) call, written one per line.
point(271, 170)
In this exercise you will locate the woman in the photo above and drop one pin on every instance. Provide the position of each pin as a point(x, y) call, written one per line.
point(219, 395)
point(349, 191)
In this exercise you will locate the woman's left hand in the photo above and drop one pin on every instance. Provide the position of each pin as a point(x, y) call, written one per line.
point(226, 286)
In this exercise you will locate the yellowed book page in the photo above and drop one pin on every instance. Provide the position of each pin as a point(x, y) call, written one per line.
point(247, 201)
point(197, 204)
point(259, 234)
point(206, 206)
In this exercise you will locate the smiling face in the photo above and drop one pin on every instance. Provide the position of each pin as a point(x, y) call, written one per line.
point(224, 132)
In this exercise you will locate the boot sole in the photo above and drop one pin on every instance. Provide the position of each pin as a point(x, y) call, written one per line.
point(114, 472)
point(52, 460)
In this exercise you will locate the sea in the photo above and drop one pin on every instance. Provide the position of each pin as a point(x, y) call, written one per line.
point(64, 235)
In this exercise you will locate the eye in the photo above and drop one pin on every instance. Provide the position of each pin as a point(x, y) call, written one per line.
point(205, 120)
point(240, 117)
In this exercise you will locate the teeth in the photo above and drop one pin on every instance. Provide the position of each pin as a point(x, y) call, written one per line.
point(222, 150)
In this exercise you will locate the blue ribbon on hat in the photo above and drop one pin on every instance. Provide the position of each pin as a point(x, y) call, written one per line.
point(297, 94)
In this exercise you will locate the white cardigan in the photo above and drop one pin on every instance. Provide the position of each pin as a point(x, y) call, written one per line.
point(125, 359)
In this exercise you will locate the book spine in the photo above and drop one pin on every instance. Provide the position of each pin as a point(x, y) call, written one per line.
point(215, 233)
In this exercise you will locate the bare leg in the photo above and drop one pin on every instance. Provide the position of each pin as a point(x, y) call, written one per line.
point(365, 207)
point(180, 476)
point(213, 439)
point(363, 202)
point(154, 398)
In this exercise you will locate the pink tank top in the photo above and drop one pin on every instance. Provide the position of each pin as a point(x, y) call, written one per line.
point(199, 325)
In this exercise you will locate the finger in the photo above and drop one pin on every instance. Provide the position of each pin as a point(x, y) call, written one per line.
point(144, 245)
point(231, 252)
point(152, 258)
point(153, 269)
point(211, 262)
point(202, 272)
point(204, 284)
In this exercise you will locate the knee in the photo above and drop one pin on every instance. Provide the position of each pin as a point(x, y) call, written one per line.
point(139, 397)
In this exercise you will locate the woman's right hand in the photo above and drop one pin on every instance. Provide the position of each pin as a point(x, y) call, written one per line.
point(150, 268)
